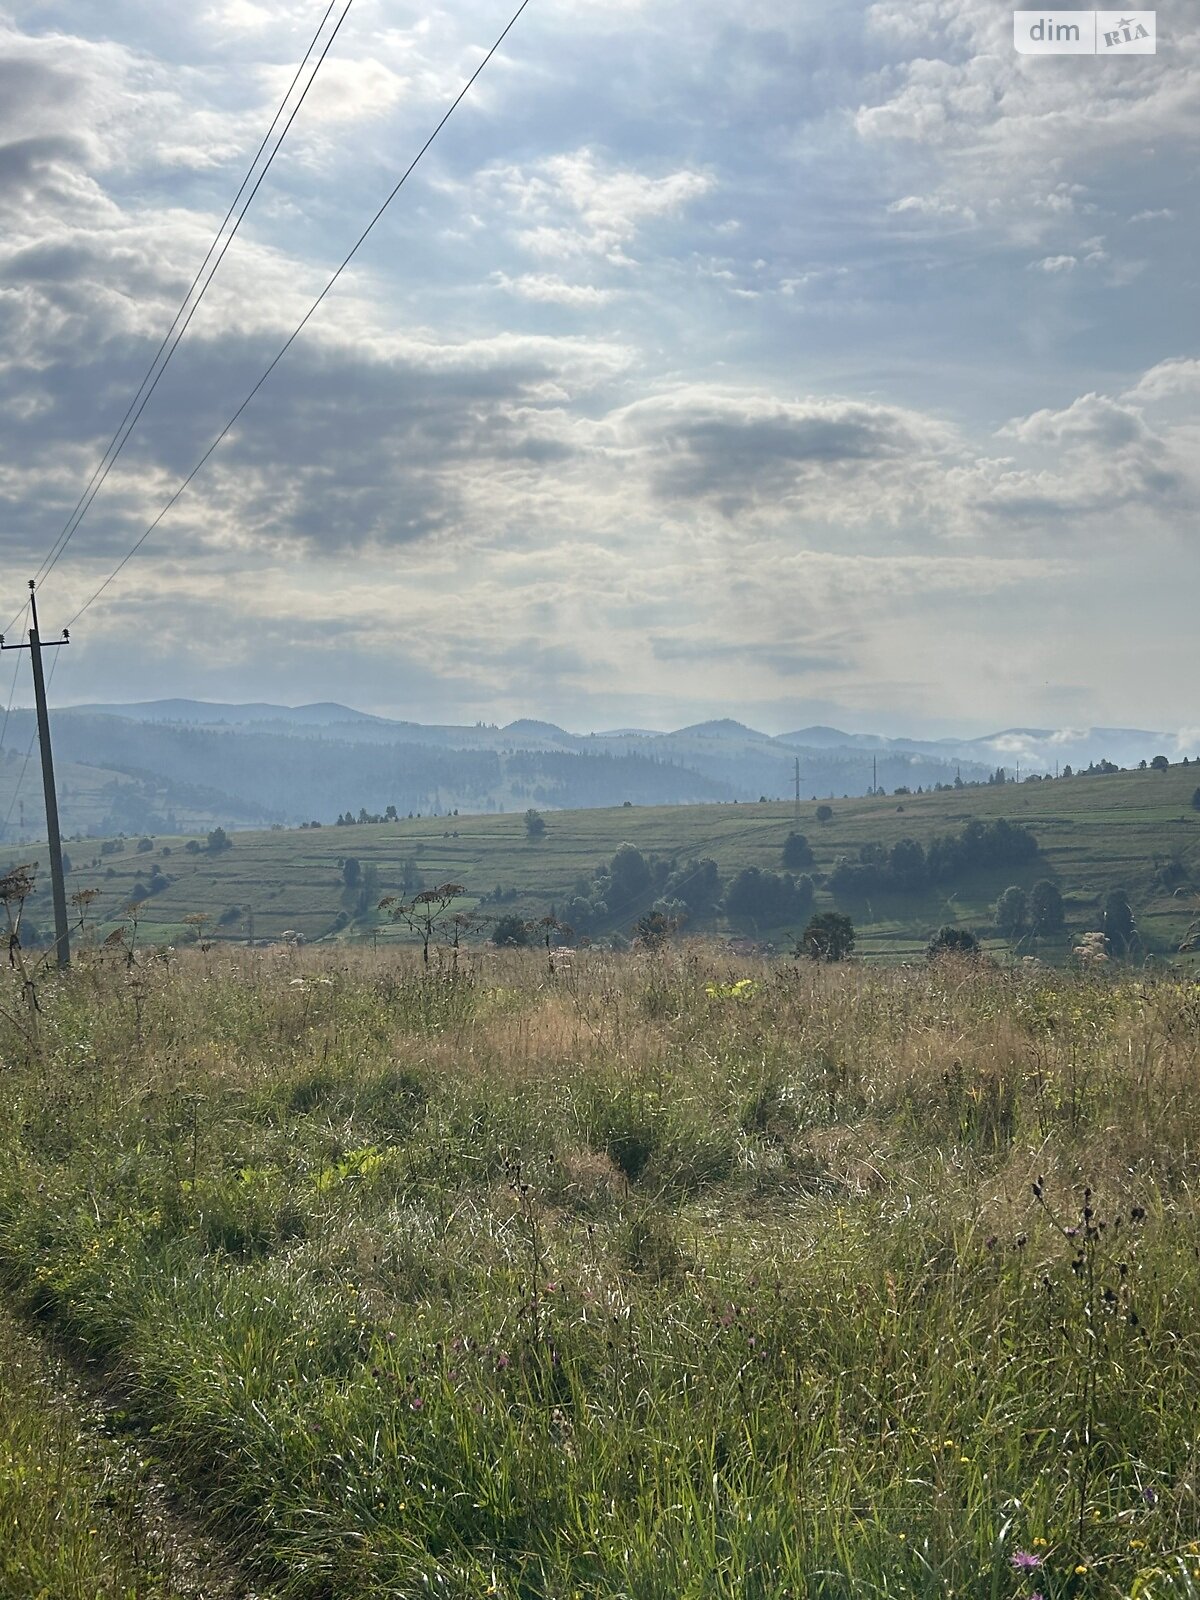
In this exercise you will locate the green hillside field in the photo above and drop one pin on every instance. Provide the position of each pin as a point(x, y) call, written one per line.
point(1097, 833)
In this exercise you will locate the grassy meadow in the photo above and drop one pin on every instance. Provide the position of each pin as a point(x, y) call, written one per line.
point(665, 1276)
point(1096, 834)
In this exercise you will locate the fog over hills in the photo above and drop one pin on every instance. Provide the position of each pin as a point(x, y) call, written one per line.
point(182, 765)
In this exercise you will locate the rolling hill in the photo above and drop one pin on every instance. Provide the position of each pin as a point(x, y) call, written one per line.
point(1134, 830)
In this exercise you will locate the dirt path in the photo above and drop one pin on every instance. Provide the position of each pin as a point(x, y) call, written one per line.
point(86, 1431)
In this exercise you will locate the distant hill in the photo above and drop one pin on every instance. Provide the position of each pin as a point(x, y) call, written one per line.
point(1134, 831)
point(723, 728)
point(183, 764)
point(211, 713)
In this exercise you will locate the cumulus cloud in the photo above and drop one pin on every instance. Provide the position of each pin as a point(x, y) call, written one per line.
point(575, 204)
point(1025, 151)
point(747, 451)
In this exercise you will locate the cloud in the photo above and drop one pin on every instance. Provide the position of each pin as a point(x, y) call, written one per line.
point(784, 659)
point(1023, 148)
point(552, 290)
point(742, 450)
point(576, 204)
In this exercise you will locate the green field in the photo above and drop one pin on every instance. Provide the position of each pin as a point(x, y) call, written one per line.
point(656, 1277)
point(1096, 834)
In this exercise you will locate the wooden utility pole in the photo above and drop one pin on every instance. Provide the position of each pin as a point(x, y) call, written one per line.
point(797, 791)
point(62, 934)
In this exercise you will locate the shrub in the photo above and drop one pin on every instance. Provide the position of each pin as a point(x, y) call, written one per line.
point(948, 941)
point(797, 852)
point(829, 936)
point(1046, 913)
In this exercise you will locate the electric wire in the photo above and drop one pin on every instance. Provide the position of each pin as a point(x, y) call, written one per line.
point(292, 337)
point(178, 329)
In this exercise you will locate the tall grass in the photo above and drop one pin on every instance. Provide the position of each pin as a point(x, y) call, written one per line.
point(73, 1522)
point(654, 1277)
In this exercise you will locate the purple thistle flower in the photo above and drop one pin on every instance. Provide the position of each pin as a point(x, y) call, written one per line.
point(1025, 1561)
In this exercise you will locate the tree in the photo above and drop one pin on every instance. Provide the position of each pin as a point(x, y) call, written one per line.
point(697, 884)
point(1119, 928)
point(219, 840)
point(535, 826)
point(368, 889)
point(907, 868)
point(1160, 764)
point(1196, 799)
point(351, 871)
point(797, 852)
point(948, 941)
point(824, 813)
point(511, 930)
point(629, 874)
point(1046, 914)
point(1012, 911)
point(829, 936)
point(769, 897)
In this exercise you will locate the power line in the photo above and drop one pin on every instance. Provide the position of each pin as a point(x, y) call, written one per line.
point(462, 94)
point(178, 328)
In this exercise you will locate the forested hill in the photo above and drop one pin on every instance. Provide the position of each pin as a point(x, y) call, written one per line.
point(169, 775)
point(179, 765)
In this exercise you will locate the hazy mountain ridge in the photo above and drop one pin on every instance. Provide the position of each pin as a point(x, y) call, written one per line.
point(183, 765)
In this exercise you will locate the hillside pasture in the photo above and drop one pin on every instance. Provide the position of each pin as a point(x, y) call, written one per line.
point(1096, 834)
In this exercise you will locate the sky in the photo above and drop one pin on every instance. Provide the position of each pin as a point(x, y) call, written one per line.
point(786, 361)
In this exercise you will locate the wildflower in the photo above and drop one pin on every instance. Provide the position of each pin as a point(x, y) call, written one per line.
point(1150, 1495)
point(416, 1403)
point(1024, 1561)
point(1039, 1544)
point(1080, 1570)
point(1137, 1544)
point(501, 1362)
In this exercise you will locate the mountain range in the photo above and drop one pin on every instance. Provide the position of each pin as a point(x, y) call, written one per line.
point(184, 765)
